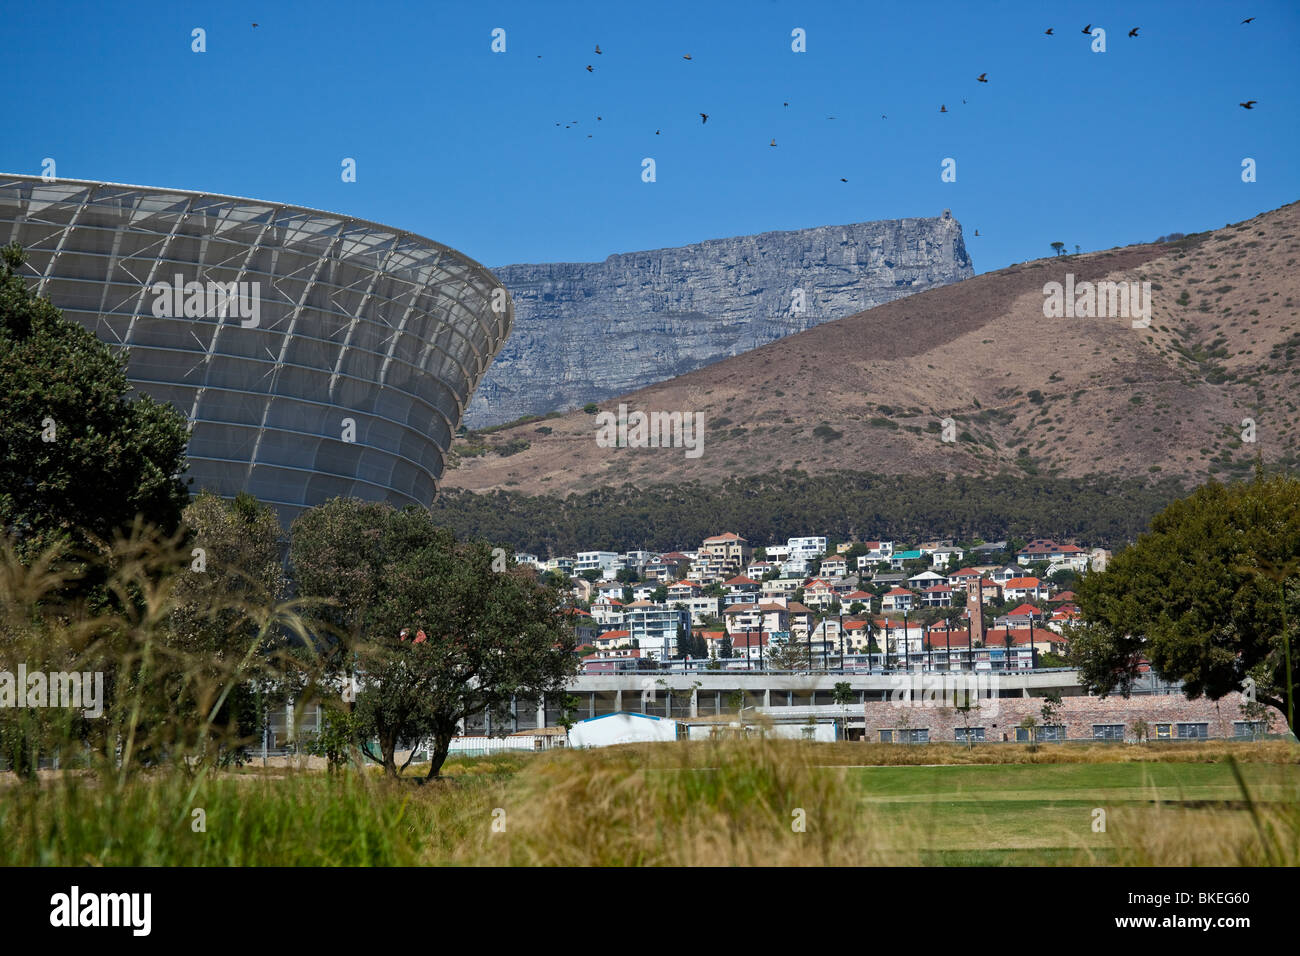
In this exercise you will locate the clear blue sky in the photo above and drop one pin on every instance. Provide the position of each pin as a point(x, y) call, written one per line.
point(459, 144)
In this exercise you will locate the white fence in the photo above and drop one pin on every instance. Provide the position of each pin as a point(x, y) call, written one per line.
point(482, 744)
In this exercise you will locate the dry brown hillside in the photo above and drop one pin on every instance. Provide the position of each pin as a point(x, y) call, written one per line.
point(1068, 396)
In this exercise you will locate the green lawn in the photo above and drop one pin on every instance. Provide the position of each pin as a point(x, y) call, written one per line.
point(1027, 814)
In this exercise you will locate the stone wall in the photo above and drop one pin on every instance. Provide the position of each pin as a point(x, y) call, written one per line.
point(586, 331)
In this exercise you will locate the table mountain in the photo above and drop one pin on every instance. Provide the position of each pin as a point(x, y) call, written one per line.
point(585, 331)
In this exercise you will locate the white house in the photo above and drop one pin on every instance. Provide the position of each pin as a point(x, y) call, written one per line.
point(606, 562)
point(941, 556)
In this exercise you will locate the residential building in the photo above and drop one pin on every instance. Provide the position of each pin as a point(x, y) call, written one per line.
point(654, 627)
point(607, 563)
point(835, 567)
point(1044, 549)
point(740, 588)
point(898, 599)
point(699, 608)
point(926, 579)
point(940, 557)
point(1026, 589)
point(726, 553)
point(940, 595)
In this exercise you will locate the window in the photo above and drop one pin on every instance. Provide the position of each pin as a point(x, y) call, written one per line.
point(1108, 731)
point(1249, 728)
point(809, 733)
point(921, 736)
point(1193, 731)
point(1164, 731)
point(1041, 732)
point(969, 734)
point(886, 736)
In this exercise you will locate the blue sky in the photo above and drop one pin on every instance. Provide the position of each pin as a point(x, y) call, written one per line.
point(458, 143)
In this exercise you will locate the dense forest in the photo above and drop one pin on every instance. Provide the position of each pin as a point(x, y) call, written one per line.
point(1103, 512)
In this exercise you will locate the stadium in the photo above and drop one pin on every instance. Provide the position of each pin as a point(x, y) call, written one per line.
point(315, 355)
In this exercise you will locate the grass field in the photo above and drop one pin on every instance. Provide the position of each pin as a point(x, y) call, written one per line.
point(709, 803)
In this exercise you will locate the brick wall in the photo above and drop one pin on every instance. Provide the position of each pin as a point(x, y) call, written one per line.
point(999, 716)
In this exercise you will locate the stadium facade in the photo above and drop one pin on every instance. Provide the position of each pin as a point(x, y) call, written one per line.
point(314, 355)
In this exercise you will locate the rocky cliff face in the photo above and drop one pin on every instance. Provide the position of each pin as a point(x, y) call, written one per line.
point(585, 331)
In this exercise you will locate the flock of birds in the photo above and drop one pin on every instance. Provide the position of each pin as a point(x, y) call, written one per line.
point(943, 108)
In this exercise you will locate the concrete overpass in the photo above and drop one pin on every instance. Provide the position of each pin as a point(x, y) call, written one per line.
point(707, 693)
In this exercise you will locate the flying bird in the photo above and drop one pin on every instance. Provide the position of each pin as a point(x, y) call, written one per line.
point(883, 116)
point(1249, 104)
point(785, 104)
point(589, 69)
point(1247, 20)
point(656, 132)
point(977, 232)
point(1047, 32)
point(1087, 29)
point(773, 141)
point(1134, 31)
point(704, 118)
point(942, 108)
point(598, 118)
point(254, 24)
point(686, 56)
point(597, 49)
point(843, 180)
point(982, 78)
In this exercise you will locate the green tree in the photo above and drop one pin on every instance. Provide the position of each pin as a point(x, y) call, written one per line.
point(1209, 596)
point(437, 634)
point(78, 460)
point(1058, 246)
point(788, 654)
point(235, 567)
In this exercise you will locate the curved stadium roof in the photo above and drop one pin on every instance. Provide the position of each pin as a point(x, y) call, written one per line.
point(348, 330)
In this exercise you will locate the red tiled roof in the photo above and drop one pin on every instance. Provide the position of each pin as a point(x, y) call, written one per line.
point(1025, 610)
point(1014, 583)
point(613, 635)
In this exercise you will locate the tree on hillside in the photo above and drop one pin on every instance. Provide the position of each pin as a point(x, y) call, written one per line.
point(78, 460)
point(1058, 246)
point(438, 634)
point(1210, 597)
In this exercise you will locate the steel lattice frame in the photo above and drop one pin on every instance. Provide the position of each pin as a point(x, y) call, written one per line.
point(357, 321)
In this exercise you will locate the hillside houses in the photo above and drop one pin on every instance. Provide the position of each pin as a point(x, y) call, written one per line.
point(730, 596)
